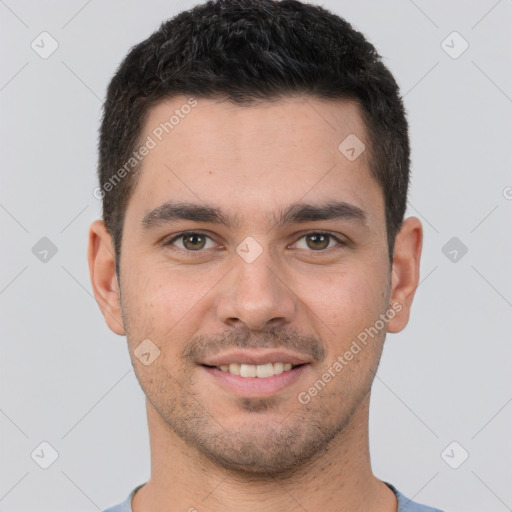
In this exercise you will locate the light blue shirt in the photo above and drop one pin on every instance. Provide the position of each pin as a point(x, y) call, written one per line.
point(404, 504)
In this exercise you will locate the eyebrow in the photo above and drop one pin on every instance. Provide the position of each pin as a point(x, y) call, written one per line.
point(294, 214)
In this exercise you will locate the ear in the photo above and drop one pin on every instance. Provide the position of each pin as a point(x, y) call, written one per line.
point(102, 269)
point(405, 272)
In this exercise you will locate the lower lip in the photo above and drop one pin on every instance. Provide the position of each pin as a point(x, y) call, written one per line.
point(256, 386)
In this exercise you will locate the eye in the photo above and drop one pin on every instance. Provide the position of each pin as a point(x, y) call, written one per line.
point(318, 241)
point(192, 241)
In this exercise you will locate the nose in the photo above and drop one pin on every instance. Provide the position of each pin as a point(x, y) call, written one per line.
point(256, 294)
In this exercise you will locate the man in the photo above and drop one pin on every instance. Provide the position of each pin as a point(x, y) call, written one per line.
point(254, 166)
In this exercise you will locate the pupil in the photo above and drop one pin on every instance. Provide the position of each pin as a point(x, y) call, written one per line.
point(319, 240)
point(195, 241)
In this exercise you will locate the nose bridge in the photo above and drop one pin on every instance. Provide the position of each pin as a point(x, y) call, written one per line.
point(255, 294)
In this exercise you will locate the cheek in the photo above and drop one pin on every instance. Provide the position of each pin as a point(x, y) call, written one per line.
point(162, 303)
point(346, 301)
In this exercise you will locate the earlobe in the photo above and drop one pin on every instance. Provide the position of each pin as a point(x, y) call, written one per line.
point(102, 270)
point(405, 272)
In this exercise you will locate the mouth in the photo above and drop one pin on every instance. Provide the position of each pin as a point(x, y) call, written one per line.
point(256, 374)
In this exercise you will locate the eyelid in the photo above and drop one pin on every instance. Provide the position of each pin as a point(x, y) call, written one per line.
point(168, 242)
point(334, 236)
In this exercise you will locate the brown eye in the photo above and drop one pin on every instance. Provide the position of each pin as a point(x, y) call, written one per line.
point(318, 241)
point(192, 241)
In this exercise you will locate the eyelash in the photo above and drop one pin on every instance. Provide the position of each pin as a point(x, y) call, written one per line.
point(191, 253)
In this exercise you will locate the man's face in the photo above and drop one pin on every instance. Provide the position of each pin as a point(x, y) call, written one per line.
point(264, 287)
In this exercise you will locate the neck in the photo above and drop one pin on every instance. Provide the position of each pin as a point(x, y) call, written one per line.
point(339, 479)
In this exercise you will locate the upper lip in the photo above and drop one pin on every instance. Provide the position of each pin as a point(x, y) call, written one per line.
point(256, 357)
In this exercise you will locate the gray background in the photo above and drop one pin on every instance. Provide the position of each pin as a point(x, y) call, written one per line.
point(68, 381)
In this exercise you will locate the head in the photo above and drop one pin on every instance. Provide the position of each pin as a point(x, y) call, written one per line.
point(274, 136)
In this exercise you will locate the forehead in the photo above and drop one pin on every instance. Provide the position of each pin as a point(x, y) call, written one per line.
point(254, 159)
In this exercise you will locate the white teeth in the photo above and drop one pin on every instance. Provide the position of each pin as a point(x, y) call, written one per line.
point(278, 368)
point(256, 370)
point(265, 370)
point(234, 368)
point(247, 370)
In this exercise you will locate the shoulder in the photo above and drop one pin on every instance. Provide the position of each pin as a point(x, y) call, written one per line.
point(122, 507)
point(407, 505)
point(126, 505)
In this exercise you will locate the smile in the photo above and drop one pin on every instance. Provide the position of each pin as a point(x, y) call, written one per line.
point(256, 370)
point(256, 380)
